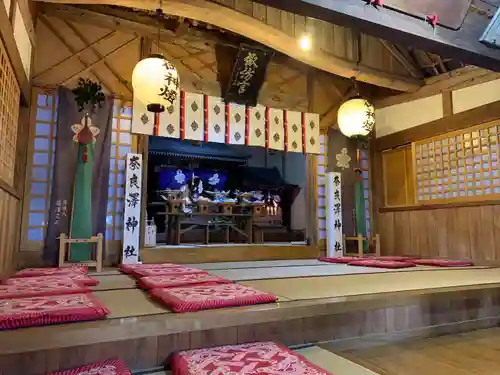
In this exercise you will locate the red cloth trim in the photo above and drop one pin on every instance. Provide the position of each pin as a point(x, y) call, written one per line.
point(342, 260)
point(108, 367)
point(183, 114)
point(205, 118)
point(228, 124)
point(258, 358)
point(394, 258)
point(247, 124)
point(41, 288)
point(381, 263)
point(37, 311)
point(171, 281)
point(196, 298)
point(285, 127)
point(266, 124)
point(442, 262)
point(168, 270)
point(51, 271)
point(303, 123)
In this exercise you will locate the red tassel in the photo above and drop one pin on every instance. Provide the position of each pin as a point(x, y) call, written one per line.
point(375, 3)
point(433, 19)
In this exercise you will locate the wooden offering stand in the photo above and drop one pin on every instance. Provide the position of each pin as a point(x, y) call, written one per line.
point(174, 205)
point(373, 242)
point(64, 241)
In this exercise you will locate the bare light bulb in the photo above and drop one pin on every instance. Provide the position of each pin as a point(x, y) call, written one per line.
point(305, 42)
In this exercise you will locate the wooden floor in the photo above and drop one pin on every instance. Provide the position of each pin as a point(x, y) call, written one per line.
point(473, 353)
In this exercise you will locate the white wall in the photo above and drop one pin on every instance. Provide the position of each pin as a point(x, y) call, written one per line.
point(407, 115)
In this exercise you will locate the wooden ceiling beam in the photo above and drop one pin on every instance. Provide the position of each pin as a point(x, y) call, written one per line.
point(409, 66)
point(242, 24)
point(462, 44)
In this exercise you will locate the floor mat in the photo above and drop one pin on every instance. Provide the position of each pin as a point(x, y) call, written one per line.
point(303, 288)
point(442, 262)
point(332, 362)
point(126, 303)
point(197, 298)
point(386, 264)
point(36, 311)
point(253, 358)
point(117, 281)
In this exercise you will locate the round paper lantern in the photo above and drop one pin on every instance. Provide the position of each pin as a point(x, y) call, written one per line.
point(156, 83)
point(356, 118)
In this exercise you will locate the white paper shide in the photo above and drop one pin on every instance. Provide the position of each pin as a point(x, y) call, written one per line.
point(335, 240)
point(132, 212)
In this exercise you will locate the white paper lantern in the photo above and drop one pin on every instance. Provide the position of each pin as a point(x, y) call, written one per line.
point(356, 118)
point(156, 83)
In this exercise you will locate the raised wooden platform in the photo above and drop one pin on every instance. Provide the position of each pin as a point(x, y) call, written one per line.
point(226, 253)
point(417, 304)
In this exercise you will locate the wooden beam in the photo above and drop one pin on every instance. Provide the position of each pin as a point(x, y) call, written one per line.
point(453, 80)
point(397, 27)
point(462, 120)
point(407, 64)
point(242, 24)
point(117, 75)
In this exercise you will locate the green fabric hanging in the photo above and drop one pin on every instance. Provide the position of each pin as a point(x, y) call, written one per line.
point(81, 223)
point(360, 210)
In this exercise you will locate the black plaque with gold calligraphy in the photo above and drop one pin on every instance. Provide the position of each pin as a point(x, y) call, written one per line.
point(248, 75)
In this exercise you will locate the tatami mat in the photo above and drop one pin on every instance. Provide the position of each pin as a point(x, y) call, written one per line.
point(332, 362)
point(109, 282)
point(258, 264)
point(331, 286)
point(125, 303)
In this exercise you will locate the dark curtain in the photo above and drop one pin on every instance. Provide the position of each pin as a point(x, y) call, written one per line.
point(336, 142)
point(65, 167)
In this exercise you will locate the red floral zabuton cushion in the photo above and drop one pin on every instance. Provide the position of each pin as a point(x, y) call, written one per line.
point(51, 271)
point(171, 281)
point(258, 358)
point(166, 270)
point(442, 262)
point(109, 367)
point(393, 258)
point(342, 260)
point(381, 263)
point(36, 311)
point(79, 278)
point(195, 298)
point(130, 268)
point(40, 288)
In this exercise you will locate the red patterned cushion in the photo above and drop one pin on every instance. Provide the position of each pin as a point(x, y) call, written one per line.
point(40, 288)
point(166, 271)
point(195, 298)
point(343, 260)
point(36, 311)
point(109, 367)
point(52, 271)
point(381, 263)
point(130, 268)
point(171, 281)
point(76, 277)
point(393, 258)
point(258, 358)
point(442, 262)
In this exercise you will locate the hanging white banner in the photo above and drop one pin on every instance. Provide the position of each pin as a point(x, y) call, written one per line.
point(334, 229)
point(132, 211)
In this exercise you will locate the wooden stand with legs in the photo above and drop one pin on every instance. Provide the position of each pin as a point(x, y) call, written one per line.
point(373, 242)
point(64, 241)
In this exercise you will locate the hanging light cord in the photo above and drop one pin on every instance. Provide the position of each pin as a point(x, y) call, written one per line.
point(159, 14)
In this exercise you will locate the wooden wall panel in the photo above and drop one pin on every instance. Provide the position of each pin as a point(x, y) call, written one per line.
point(459, 232)
point(9, 233)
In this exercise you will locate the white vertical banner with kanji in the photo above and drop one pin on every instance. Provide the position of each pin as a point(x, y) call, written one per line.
point(132, 211)
point(334, 234)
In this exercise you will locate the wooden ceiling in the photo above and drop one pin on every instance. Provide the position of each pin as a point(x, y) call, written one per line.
point(102, 42)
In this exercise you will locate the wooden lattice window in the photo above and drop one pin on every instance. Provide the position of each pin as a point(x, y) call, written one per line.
point(39, 169)
point(321, 183)
point(461, 165)
point(121, 145)
point(10, 94)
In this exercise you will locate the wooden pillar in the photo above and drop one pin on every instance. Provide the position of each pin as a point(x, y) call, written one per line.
point(311, 186)
point(142, 147)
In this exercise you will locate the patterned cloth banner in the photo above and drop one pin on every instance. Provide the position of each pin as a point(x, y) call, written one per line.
point(335, 237)
point(132, 212)
point(205, 118)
